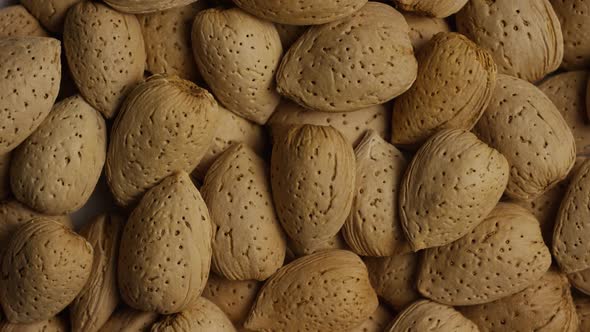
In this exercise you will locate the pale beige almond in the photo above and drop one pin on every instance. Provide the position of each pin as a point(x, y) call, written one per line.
point(575, 21)
point(100, 297)
point(359, 61)
point(248, 241)
point(235, 298)
point(166, 124)
point(502, 256)
point(583, 309)
point(301, 12)
point(540, 156)
point(325, 291)
point(290, 33)
point(394, 278)
point(130, 320)
point(313, 177)
point(5, 175)
point(425, 315)
point(452, 184)
point(56, 169)
point(546, 305)
point(165, 252)
point(105, 52)
point(373, 227)
point(440, 8)
point(307, 248)
point(423, 28)
point(16, 21)
point(352, 125)
point(455, 83)
point(238, 54)
point(202, 316)
point(146, 6)
point(523, 36)
point(377, 321)
point(44, 268)
point(55, 324)
point(51, 13)
point(29, 87)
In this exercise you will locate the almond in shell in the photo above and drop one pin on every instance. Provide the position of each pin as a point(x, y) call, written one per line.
point(377, 321)
point(235, 298)
point(580, 280)
point(423, 28)
point(130, 320)
point(575, 21)
point(54, 324)
point(425, 315)
point(16, 21)
point(202, 316)
point(146, 6)
point(394, 278)
point(51, 13)
point(441, 8)
point(298, 249)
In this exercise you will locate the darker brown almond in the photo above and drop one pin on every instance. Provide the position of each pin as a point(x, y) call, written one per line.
point(500, 257)
point(423, 314)
point(583, 309)
point(441, 8)
point(235, 298)
point(454, 181)
point(455, 83)
point(51, 13)
point(313, 177)
point(16, 21)
point(394, 278)
point(326, 291)
point(359, 61)
point(540, 156)
point(130, 320)
point(202, 316)
point(575, 21)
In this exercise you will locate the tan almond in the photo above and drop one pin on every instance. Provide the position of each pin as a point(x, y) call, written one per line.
point(325, 291)
point(441, 8)
point(16, 21)
point(51, 13)
point(202, 316)
point(130, 320)
point(455, 83)
point(166, 124)
point(146, 6)
point(248, 241)
point(502, 256)
point(5, 175)
point(301, 12)
point(32, 68)
point(426, 315)
point(452, 184)
point(423, 28)
point(546, 305)
point(313, 177)
point(352, 125)
point(373, 227)
point(92, 26)
point(540, 156)
point(290, 33)
point(238, 54)
point(54, 324)
point(307, 248)
point(100, 297)
point(575, 21)
point(165, 252)
point(235, 298)
point(359, 61)
point(523, 36)
point(56, 169)
point(394, 278)
point(44, 268)
point(582, 304)
point(377, 321)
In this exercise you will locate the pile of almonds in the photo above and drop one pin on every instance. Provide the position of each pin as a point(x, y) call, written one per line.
point(295, 165)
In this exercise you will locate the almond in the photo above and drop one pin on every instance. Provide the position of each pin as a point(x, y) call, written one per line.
point(313, 177)
point(235, 298)
point(166, 124)
point(229, 129)
point(425, 315)
point(165, 251)
point(575, 21)
point(100, 297)
point(237, 55)
point(91, 27)
point(44, 268)
point(583, 309)
point(523, 36)
point(377, 321)
point(301, 12)
point(51, 13)
point(56, 169)
point(442, 8)
point(452, 184)
point(373, 227)
point(146, 6)
point(54, 324)
point(203, 316)
point(130, 320)
point(167, 37)
point(307, 248)
point(289, 33)
point(29, 87)
point(540, 156)
point(352, 125)
point(325, 291)
point(456, 79)
point(546, 305)
point(4, 175)
point(567, 91)
point(394, 278)
point(16, 21)
point(248, 242)
point(423, 28)
point(359, 61)
point(500, 257)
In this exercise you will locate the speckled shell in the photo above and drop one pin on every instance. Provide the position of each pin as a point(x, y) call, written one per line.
point(574, 18)
point(329, 290)
point(299, 249)
point(44, 268)
point(51, 13)
point(130, 320)
point(237, 55)
point(32, 68)
point(523, 36)
point(540, 156)
point(235, 298)
point(377, 321)
point(165, 252)
point(5, 175)
point(440, 8)
point(56, 169)
point(500, 257)
point(202, 316)
point(166, 124)
point(102, 43)
point(425, 315)
point(360, 61)
point(16, 21)
point(394, 278)
point(54, 324)
point(146, 6)
point(423, 28)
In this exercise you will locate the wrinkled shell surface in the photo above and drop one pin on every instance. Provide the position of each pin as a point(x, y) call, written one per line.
point(146, 6)
point(16, 21)
point(440, 8)
point(425, 315)
point(394, 278)
point(55, 324)
point(202, 316)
